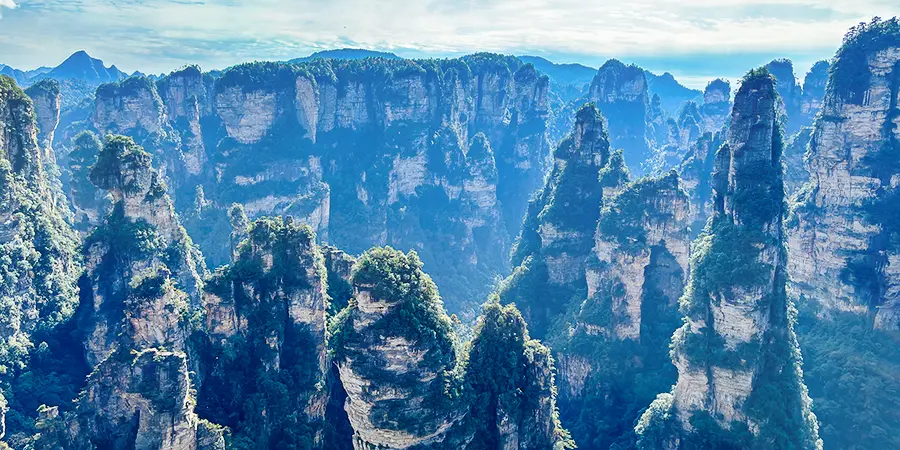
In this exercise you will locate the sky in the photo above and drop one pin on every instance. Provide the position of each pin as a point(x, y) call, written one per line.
point(694, 40)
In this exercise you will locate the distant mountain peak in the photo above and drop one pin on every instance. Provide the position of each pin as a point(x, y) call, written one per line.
point(80, 65)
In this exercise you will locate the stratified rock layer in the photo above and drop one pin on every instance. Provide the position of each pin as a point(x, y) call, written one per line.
point(842, 253)
point(265, 321)
point(739, 378)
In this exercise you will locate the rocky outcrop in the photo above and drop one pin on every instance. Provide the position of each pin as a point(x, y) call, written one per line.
point(138, 294)
point(511, 378)
point(790, 94)
point(363, 151)
point(395, 353)
point(47, 103)
point(716, 106)
point(696, 173)
point(814, 85)
point(621, 95)
point(647, 222)
point(265, 321)
point(143, 271)
point(614, 354)
point(558, 230)
point(38, 249)
point(739, 378)
point(839, 240)
point(140, 400)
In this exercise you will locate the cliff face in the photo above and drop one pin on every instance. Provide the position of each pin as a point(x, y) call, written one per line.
point(397, 358)
point(142, 283)
point(47, 101)
point(38, 250)
point(842, 255)
point(814, 85)
point(331, 142)
point(621, 95)
point(614, 355)
point(395, 351)
point(265, 322)
point(144, 272)
point(558, 230)
point(736, 354)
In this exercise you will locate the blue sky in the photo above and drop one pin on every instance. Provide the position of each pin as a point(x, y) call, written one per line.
point(695, 40)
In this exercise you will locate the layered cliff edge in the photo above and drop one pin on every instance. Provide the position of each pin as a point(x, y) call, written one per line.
point(435, 155)
point(840, 237)
point(739, 377)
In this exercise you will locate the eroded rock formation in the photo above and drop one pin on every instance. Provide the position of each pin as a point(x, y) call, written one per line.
point(736, 354)
point(841, 252)
point(265, 324)
point(558, 231)
point(366, 152)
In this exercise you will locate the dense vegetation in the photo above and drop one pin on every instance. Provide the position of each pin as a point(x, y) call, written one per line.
point(850, 73)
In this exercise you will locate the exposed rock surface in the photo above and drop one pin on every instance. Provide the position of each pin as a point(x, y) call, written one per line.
point(814, 85)
point(511, 376)
point(395, 350)
point(47, 103)
point(144, 272)
point(739, 378)
point(648, 221)
point(366, 152)
point(839, 241)
point(558, 231)
point(614, 356)
point(265, 321)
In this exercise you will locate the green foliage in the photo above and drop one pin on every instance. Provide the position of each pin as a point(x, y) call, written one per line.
point(849, 73)
point(117, 163)
point(504, 378)
point(48, 87)
point(851, 371)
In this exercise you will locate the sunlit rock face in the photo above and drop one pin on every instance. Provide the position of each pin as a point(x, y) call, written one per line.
point(840, 253)
point(395, 353)
point(439, 156)
point(265, 323)
point(558, 230)
point(737, 345)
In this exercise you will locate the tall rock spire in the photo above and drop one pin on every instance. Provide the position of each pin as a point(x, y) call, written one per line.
point(558, 231)
point(739, 378)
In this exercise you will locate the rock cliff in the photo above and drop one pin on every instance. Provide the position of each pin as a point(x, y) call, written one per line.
point(265, 358)
point(144, 273)
point(138, 295)
point(739, 378)
point(365, 151)
point(614, 355)
point(842, 253)
point(511, 383)
point(396, 353)
point(408, 383)
point(558, 230)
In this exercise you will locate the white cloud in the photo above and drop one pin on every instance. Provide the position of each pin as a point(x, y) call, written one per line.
point(164, 34)
point(11, 4)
